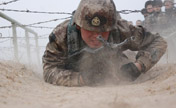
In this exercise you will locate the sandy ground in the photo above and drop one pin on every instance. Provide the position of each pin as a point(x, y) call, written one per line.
point(22, 88)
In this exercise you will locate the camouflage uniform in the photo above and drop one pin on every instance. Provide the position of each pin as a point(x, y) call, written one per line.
point(56, 67)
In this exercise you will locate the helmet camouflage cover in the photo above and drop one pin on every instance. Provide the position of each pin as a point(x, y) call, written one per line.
point(96, 15)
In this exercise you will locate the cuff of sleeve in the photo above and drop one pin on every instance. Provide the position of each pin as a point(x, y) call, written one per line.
point(144, 59)
point(75, 79)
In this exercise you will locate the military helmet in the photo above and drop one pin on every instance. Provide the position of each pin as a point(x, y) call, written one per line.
point(169, 1)
point(96, 15)
point(157, 3)
point(148, 3)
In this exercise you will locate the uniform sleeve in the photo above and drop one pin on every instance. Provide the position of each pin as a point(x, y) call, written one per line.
point(150, 47)
point(54, 59)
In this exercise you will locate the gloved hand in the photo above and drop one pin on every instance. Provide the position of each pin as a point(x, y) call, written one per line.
point(130, 71)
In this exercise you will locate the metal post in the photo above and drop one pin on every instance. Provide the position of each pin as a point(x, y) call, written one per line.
point(27, 30)
point(37, 48)
point(15, 44)
point(28, 46)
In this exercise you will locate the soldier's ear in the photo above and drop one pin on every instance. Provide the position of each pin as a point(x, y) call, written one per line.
point(78, 27)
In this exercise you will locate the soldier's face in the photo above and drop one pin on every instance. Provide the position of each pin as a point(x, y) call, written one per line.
point(149, 8)
point(90, 37)
point(168, 5)
point(157, 8)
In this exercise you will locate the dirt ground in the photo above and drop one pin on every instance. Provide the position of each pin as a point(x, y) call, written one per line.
point(22, 88)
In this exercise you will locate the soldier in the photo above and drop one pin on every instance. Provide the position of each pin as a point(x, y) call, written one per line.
point(148, 22)
point(138, 23)
point(149, 7)
point(170, 13)
point(157, 4)
point(169, 7)
point(91, 19)
point(156, 22)
point(158, 19)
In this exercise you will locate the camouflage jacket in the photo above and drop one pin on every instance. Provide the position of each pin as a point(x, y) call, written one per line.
point(150, 48)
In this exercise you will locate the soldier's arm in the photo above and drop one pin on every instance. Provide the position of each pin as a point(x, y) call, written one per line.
point(150, 47)
point(54, 60)
point(151, 50)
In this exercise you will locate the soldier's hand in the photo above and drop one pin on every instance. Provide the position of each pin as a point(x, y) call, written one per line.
point(130, 71)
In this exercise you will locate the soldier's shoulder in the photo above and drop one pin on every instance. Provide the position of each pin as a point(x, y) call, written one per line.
point(59, 33)
point(61, 28)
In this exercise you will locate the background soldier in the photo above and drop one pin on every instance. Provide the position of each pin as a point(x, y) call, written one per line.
point(170, 13)
point(62, 65)
point(149, 7)
point(158, 19)
point(148, 22)
point(169, 7)
point(138, 23)
point(157, 4)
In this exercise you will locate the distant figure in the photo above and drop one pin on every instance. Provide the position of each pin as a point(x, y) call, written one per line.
point(170, 15)
point(157, 4)
point(138, 23)
point(170, 10)
point(149, 7)
point(152, 22)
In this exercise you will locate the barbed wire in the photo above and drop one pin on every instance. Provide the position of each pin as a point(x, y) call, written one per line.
point(129, 11)
point(29, 11)
point(4, 27)
point(39, 37)
point(41, 27)
point(42, 12)
point(5, 40)
point(39, 12)
point(5, 37)
point(47, 21)
point(5, 3)
point(31, 25)
point(44, 35)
